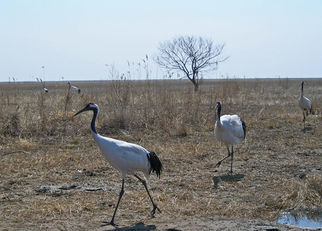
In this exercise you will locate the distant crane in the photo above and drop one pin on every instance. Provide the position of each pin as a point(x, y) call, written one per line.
point(305, 105)
point(74, 88)
point(44, 89)
point(126, 158)
point(230, 130)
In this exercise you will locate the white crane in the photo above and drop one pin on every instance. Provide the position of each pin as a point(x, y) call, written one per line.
point(126, 157)
point(230, 130)
point(74, 88)
point(305, 104)
point(44, 89)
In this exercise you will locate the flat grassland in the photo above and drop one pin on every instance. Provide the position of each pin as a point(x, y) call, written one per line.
point(54, 177)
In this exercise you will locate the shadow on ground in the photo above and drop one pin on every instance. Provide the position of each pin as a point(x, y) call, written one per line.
point(227, 178)
point(137, 227)
point(307, 128)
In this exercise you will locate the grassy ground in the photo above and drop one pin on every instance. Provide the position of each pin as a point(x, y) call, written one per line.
point(54, 177)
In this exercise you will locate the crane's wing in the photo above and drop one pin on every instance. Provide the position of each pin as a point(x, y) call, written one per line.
point(308, 103)
point(235, 125)
point(134, 148)
point(305, 103)
point(133, 155)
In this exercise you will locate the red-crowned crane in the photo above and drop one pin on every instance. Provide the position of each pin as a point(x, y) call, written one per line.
point(230, 130)
point(305, 104)
point(126, 157)
point(74, 88)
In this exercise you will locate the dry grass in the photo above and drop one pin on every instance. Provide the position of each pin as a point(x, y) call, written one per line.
point(53, 176)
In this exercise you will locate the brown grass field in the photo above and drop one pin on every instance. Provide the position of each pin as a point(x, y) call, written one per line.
point(53, 176)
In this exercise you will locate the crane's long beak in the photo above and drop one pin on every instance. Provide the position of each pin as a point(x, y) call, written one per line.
point(84, 109)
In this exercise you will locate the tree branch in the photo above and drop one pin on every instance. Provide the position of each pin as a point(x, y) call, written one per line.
point(190, 55)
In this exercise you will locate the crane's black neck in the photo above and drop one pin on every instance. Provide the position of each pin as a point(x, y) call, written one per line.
point(302, 86)
point(218, 111)
point(95, 113)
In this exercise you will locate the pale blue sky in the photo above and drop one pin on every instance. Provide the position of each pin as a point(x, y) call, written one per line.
point(75, 39)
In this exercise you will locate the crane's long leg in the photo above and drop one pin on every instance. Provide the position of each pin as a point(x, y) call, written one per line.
point(232, 158)
point(117, 205)
point(147, 190)
point(219, 162)
point(304, 119)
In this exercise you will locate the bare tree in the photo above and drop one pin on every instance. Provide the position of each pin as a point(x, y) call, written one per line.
point(191, 55)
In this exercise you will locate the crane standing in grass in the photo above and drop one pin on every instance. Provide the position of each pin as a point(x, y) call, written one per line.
point(74, 88)
point(125, 157)
point(44, 89)
point(305, 105)
point(230, 130)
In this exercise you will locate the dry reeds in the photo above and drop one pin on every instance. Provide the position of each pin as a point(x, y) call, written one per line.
point(277, 168)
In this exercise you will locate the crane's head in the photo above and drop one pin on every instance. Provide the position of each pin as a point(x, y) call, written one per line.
point(89, 107)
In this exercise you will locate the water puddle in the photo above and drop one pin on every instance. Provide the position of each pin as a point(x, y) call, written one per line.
point(312, 219)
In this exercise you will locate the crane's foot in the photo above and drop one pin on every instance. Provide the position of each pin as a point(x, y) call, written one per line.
point(155, 207)
point(106, 223)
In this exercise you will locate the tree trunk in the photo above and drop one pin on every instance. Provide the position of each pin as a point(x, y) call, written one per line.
point(195, 81)
point(196, 85)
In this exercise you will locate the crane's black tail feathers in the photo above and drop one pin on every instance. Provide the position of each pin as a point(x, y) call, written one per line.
point(244, 128)
point(155, 163)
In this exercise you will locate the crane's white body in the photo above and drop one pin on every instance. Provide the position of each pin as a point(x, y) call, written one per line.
point(74, 88)
point(126, 157)
point(304, 103)
point(229, 130)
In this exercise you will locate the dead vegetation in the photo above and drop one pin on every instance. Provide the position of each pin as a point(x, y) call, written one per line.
point(53, 176)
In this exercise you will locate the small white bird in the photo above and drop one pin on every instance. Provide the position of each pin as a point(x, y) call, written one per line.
point(126, 157)
point(305, 104)
point(74, 88)
point(45, 90)
point(230, 130)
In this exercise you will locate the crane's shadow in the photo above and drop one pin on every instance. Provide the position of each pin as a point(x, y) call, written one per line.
point(138, 226)
point(227, 178)
point(307, 128)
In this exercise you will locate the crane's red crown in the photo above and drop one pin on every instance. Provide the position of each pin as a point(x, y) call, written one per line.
point(91, 103)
